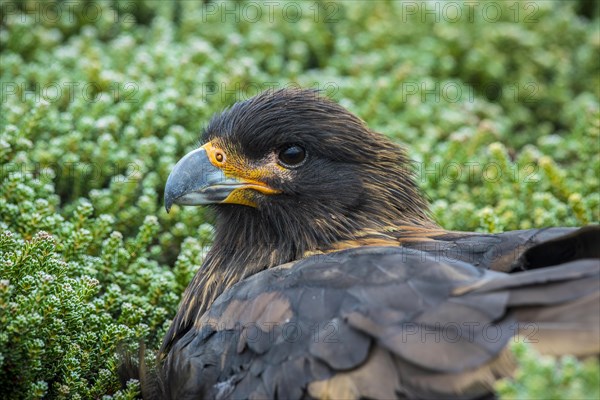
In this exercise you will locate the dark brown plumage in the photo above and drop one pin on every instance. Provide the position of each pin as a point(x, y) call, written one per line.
point(293, 176)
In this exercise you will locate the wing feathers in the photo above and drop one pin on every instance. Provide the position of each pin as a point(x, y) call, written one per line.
point(384, 323)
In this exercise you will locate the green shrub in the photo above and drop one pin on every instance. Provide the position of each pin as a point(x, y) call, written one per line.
point(100, 99)
point(543, 377)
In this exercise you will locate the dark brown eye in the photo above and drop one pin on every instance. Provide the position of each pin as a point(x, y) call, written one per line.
point(292, 156)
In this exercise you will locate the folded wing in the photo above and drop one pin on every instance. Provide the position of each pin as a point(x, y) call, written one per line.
point(385, 322)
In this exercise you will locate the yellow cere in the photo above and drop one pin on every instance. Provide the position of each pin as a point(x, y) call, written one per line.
point(234, 166)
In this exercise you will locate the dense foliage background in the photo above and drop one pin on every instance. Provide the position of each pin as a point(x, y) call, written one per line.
point(498, 103)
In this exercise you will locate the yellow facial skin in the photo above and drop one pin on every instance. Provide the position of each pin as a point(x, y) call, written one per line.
point(251, 176)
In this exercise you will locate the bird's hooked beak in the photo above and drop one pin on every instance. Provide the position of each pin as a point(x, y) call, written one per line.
point(201, 177)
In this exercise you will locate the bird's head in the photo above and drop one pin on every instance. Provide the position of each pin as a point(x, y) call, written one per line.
point(299, 166)
point(289, 173)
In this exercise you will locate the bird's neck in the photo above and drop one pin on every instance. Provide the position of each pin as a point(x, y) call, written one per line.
point(247, 242)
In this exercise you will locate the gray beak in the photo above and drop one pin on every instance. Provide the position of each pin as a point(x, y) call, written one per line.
point(196, 181)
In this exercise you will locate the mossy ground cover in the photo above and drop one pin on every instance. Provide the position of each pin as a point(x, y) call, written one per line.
point(498, 104)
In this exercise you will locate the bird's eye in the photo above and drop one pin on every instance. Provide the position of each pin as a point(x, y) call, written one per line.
point(292, 156)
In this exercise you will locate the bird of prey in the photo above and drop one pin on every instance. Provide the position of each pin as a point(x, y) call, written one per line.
point(329, 279)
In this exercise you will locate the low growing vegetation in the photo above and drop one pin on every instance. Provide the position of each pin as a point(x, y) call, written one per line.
point(100, 99)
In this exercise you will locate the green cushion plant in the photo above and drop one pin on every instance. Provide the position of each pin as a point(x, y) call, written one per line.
point(99, 99)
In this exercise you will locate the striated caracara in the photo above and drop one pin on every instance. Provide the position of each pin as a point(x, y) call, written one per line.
point(328, 278)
